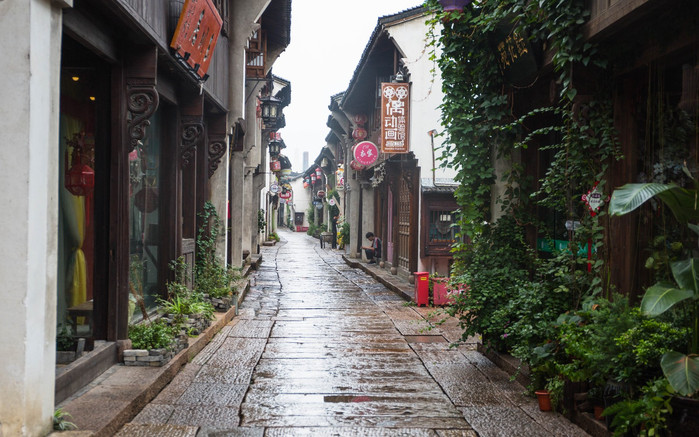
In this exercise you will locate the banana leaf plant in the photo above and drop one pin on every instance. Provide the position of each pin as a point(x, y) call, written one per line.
point(681, 370)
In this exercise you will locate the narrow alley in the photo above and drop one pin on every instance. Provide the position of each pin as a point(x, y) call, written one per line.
point(320, 348)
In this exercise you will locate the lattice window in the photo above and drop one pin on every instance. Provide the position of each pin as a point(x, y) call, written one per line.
point(442, 230)
point(255, 55)
point(404, 226)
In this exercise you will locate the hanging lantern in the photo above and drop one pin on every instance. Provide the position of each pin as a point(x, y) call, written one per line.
point(321, 194)
point(360, 119)
point(80, 178)
point(453, 5)
point(305, 184)
point(319, 173)
point(313, 178)
point(354, 165)
point(275, 165)
point(359, 133)
point(271, 107)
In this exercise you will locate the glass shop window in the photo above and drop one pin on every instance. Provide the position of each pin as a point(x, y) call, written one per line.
point(144, 221)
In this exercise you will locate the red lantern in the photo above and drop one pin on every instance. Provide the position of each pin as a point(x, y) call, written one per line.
point(275, 165)
point(80, 179)
point(354, 165)
point(359, 133)
point(305, 184)
point(360, 119)
point(313, 178)
point(319, 173)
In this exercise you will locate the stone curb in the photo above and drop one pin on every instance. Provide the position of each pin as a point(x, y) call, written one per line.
point(392, 282)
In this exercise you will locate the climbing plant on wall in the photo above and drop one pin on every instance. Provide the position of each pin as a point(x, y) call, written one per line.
point(481, 124)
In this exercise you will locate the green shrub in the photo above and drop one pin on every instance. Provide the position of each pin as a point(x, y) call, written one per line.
point(154, 335)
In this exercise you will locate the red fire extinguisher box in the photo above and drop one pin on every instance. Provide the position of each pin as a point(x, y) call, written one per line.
point(422, 288)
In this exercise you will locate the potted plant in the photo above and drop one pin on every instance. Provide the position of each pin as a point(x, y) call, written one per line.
point(153, 344)
point(680, 369)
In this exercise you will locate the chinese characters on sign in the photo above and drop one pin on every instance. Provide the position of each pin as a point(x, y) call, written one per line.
point(511, 49)
point(195, 37)
point(366, 153)
point(395, 117)
point(516, 57)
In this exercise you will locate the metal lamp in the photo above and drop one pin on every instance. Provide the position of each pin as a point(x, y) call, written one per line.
point(270, 109)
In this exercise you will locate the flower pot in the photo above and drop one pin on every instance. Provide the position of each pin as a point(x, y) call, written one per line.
point(598, 409)
point(544, 398)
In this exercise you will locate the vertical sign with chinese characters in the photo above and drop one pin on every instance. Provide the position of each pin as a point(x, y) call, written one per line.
point(196, 35)
point(395, 117)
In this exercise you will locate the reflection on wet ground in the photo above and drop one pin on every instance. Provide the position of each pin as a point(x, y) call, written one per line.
point(321, 349)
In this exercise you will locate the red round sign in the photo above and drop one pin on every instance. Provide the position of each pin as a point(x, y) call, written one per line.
point(366, 153)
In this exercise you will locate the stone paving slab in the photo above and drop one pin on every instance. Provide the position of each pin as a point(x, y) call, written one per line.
point(141, 430)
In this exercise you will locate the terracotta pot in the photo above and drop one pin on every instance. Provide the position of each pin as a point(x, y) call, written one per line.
point(544, 398)
point(598, 409)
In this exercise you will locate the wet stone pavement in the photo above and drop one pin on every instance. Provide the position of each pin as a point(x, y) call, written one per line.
point(322, 349)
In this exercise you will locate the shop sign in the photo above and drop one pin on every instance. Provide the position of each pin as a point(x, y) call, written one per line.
point(274, 188)
point(366, 153)
point(285, 195)
point(395, 117)
point(332, 202)
point(515, 55)
point(594, 199)
point(196, 34)
point(340, 178)
point(544, 245)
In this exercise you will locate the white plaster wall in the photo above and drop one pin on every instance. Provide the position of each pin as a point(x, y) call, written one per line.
point(301, 198)
point(28, 218)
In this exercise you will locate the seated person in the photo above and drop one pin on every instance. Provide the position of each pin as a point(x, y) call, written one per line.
point(372, 252)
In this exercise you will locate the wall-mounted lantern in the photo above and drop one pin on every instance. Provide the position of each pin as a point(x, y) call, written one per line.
point(319, 173)
point(271, 107)
point(274, 148)
point(324, 162)
point(313, 178)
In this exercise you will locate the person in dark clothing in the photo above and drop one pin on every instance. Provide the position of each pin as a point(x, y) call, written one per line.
point(373, 252)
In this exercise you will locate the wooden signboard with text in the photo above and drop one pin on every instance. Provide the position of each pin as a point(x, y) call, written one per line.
point(395, 117)
point(195, 37)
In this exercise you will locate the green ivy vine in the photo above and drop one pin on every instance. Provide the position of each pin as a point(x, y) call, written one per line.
point(515, 295)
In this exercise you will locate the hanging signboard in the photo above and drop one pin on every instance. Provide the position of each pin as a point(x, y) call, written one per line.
point(395, 117)
point(285, 195)
point(274, 188)
point(366, 153)
point(340, 178)
point(196, 34)
point(515, 55)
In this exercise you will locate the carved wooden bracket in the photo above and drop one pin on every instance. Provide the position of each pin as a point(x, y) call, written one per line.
point(217, 148)
point(192, 133)
point(142, 101)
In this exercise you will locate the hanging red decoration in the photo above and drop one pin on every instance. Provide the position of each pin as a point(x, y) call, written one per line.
point(275, 165)
point(313, 178)
point(359, 133)
point(319, 173)
point(320, 194)
point(80, 177)
point(360, 119)
point(305, 184)
point(356, 166)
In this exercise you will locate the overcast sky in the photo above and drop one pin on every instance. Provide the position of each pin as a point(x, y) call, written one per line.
point(327, 40)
